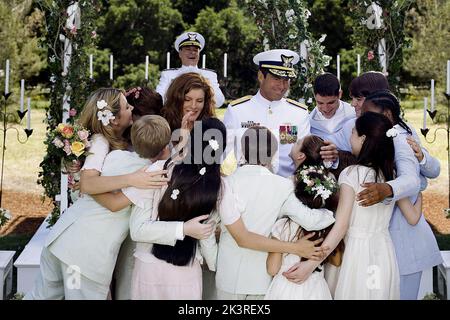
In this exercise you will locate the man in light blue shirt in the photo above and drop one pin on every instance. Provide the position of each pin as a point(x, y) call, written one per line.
point(330, 113)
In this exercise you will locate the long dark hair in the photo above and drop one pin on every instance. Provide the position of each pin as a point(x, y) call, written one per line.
point(197, 193)
point(385, 100)
point(311, 148)
point(144, 100)
point(377, 151)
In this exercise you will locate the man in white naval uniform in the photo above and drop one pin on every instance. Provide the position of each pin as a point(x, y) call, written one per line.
point(330, 113)
point(286, 118)
point(189, 45)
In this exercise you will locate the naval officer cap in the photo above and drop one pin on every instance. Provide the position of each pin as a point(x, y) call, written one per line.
point(190, 39)
point(279, 62)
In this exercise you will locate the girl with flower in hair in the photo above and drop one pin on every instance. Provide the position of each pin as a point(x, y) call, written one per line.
point(416, 247)
point(107, 115)
point(316, 189)
point(254, 199)
point(172, 271)
point(369, 268)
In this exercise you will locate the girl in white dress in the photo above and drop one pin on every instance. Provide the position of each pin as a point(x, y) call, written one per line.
point(369, 268)
point(317, 189)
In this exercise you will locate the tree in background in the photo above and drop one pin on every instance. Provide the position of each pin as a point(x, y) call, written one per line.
point(332, 18)
point(428, 25)
point(381, 24)
point(19, 31)
point(283, 24)
point(190, 9)
point(132, 29)
point(230, 31)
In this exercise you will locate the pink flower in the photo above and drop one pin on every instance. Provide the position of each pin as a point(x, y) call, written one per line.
point(94, 34)
point(83, 134)
point(87, 143)
point(72, 112)
point(67, 150)
point(73, 30)
point(370, 55)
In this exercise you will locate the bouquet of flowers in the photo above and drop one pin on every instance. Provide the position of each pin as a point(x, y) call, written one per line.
point(72, 142)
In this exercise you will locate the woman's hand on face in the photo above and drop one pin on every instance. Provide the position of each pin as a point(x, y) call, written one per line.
point(195, 228)
point(188, 120)
point(148, 180)
point(416, 148)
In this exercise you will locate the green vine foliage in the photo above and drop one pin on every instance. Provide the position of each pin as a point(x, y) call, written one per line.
point(283, 24)
point(76, 80)
point(393, 21)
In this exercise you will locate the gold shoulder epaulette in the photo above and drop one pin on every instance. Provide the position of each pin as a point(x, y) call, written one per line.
point(240, 100)
point(297, 104)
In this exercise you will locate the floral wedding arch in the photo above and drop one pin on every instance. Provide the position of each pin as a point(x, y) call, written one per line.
point(283, 24)
point(378, 31)
point(70, 32)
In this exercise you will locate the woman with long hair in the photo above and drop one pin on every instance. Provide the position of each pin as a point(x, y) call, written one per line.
point(190, 94)
point(369, 268)
point(415, 244)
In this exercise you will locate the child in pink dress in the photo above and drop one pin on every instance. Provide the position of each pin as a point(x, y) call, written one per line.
point(172, 271)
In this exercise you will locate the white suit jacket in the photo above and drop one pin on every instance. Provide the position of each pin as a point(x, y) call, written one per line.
point(88, 235)
point(280, 116)
point(262, 197)
point(169, 74)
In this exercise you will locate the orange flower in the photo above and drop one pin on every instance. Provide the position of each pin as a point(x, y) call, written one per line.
point(67, 132)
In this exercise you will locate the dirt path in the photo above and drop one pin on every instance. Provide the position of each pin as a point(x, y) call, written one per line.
point(27, 209)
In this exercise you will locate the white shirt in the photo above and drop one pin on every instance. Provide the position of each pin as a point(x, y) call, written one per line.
point(285, 118)
point(260, 197)
point(327, 128)
point(98, 150)
point(169, 74)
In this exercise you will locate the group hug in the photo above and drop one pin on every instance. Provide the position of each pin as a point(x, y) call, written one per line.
point(274, 202)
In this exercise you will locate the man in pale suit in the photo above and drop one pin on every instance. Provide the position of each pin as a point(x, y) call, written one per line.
point(189, 45)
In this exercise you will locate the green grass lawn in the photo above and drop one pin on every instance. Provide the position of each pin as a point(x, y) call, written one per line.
point(22, 161)
point(22, 166)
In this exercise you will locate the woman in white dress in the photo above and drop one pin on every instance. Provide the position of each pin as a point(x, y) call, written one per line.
point(369, 268)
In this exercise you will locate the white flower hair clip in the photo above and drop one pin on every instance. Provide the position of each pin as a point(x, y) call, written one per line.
point(105, 116)
point(214, 144)
point(175, 193)
point(391, 133)
point(202, 171)
point(101, 104)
